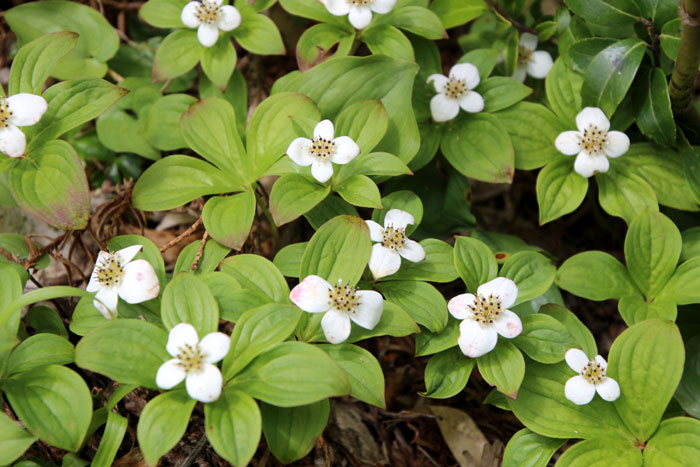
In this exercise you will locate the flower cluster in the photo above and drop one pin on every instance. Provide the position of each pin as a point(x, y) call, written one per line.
point(455, 91)
point(535, 63)
point(359, 11)
point(592, 378)
point(209, 16)
point(393, 244)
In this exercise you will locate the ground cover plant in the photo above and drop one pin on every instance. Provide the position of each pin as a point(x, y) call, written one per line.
point(350, 232)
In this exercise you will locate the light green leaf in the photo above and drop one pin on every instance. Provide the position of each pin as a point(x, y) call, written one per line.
point(670, 38)
point(634, 309)
point(414, 19)
point(438, 265)
point(560, 190)
point(14, 440)
point(163, 13)
point(544, 339)
point(447, 373)
point(423, 302)
point(503, 367)
point(609, 12)
point(218, 62)
point(532, 273)
point(366, 122)
point(655, 119)
point(38, 351)
point(312, 10)
point(322, 41)
point(233, 426)
point(579, 332)
point(162, 127)
point(563, 87)
point(689, 387)
point(395, 322)
point(602, 451)
point(177, 54)
point(115, 429)
point(359, 190)
point(257, 273)
point(229, 219)
point(528, 448)
point(187, 299)
point(375, 163)
point(290, 432)
point(362, 370)
point(257, 33)
point(162, 423)
point(595, 275)
point(454, 13)
point(213, 253)
point(35, 61)
point(288, 259)
point(676, 441)
point(428, 343)
point(624, 194)
point(474, 261)
point(501, 92)
point(385, 39)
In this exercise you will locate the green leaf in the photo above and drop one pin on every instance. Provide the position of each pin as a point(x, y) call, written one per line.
point(322, 41)
point(457, 12)
point(414, 19)
point(544, 339)
point(327, 209)
point(503, 367)
point(582, 52)
point(35, 61)
point(428, 343)
point(361, 191)
point(162, 423)
point(659, 11)
point(257, 33)
point(595, 275)
point(691, 166)
point(423, 302)
point(560, 190)
point(45, 320)
point(532, 273)
point(634, 308)
point(602, 451)
point(13, 441)
point(624, 194)
point(213, 253)
point(609, 12)
point(395, 322)
point(366, 122)
point(162, 127)
point(579, 332)
point(655, 119)
point(447, 373)
point(187, 299)
point(115, 429)
point(218, 62)
point(501, 92)
point(687, 391)
point(563, 87)
point(163, 13)
point(38, 351)
point(179, 52)
point(484, 59)
point(375, 163)
point(474, 262)
point(113, 125)
point(385, 39)
point(675, 441)
point(404, 200)
point(257, 273)
point(233, 426)
point(363, 371)
point(312, 10)
point(229, 219)
point(438, 265)
point(288, 259)
point(670, 38)
point(290, 432)
point(528, 448)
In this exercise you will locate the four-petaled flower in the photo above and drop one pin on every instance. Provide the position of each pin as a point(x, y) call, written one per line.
point(593, 143)
point(535, 63)
point(393, 244)
point(322, 150)
point(340, 303)
point(19, 110)
point(194, 362)
point(208, 16)
point(455, 91)
point(592, 377)
point(115, 275)
point(359, 11)
point(485, 316)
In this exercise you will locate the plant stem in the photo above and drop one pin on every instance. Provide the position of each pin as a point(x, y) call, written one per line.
point(268, 216)
point(686, 69)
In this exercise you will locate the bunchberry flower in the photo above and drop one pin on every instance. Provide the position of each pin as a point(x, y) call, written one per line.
point(359, 11)
point(593, 143)
point(340, 303)
point(535, 63)
point(455, 91)
point(393, 244)
point(592, 377)
point(115, 275)
point(485, 316)
point(19, 110)
point(322, 150)
point(208, 16)
point(194, 362)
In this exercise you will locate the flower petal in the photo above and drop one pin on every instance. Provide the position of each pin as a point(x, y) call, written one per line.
point(382, 6)
point(216, 2)
point(592, 116)
point(520, 74)
point(472, 102)
point(383, 261)
point(376, 232)
point(576, 359)
point(205, 386)
point(508, 324)
point(568, 142)
point(125, 255)
point(459, 306)
point(336, 326)
point(398, 219)
point(12, 141)
point(94, 285)
point(608, 389)
point(601, 361)
point(26, 109)
point(618, 144)
point(322, 170)
point(412, 251)
point(180, 336)
point(311, 294)
point(476, 340)
point(587, 165)
point(214, 346)
point(359, 16)
point(299, 152)
point(439, 82)
point(107, 304)
point(442, 108)
point(539, 65)
point(345, 150)
point(230, 18)
point(170, 374)
point(501, 287)
point(139, 282)
point(369, 311)
point(337, 7)
point(528, 41)
point(578, 390)
point(324, 129)
point(189, 15)
point(466, 72)
point(207, 34)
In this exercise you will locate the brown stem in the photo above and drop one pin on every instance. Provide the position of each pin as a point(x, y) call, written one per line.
point(184, 234)
point(515, 23)
point(200, 252)
point(686, 68)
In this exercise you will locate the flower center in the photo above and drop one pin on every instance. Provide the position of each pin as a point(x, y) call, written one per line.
point(524, 55)
point(456, 88)
point(593, 372)
point(208, 12)
point(110, 271)
point(360, 2)
point(5, 113)
point(593, 140)
point(486, 309)
point(344, 298)
point(393, 238)
point(191, 358)
point(322, 148)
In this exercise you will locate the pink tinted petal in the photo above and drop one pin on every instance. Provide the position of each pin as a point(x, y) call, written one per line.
point(501, 287)
point(382, 6)
point(214, 346)
point(592, 116)
point(360, 16)
point(299, 152)
point(127, 254)
point(12, 141)
point(508, 324)
point(608, 389)
point(601, 361)
point(475, 340)
point(472, 102)
point(578, 390)
point(568, 142)
point(520, 74)
point(312, 294)
point(170, 374)
point(324, 129)
point(369, 311)
point(383, 261)
point(139, 283)
point(336, 326)
point(576, 359)
point(180, 336)
point(322, 170)
point(442, 108)
point(539, 65)
point(466, 72)
point(189, 15)
point(439, 82)
point(618, 144)
point(398, 219)
point(528, 41)
point(459, 306)
point(412, 251)
point(345, 150)
point(26, 109)
point(207, 34)
point(109, 299)
point(337, 7)
point(376, 232)
point(230, 18)
point(204, 386)
point(587, 166)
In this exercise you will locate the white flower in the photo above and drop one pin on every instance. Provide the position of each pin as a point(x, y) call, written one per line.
point(322, 150)
point(455, 92)
point(393, 244)
point(194, 361)
point(485, 316)
point(208, 16)
point(581, 388)
point(18, 110)
point(115, 275)
point(359, 11)
point(535, 63)
point(340, 303)
point(593, 142)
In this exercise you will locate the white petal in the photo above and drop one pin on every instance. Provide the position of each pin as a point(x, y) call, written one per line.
point(345, 150)
point(568, 142)
point(230, 18)
point(539, 65)
point(520, 74)
point(578, 390)
point(360, 16)
point(204, 386)
point(26, 109)
point(472, 102)
point(324, 129)
point(322, 170)
point(587, 166)
point(439, 82)
point(576, 359)
point(170, 374)
point(459, 306)
point(12, 141)
point(189, 15)
point(383, 261)
point(109, 299)
point(382, 6)
point(508, 324)
point(312, 294)
point(214, 346)
point(608, 389)
point(618, 144)
point(337, 7)
point(369, 311)
point(207, 34)
point(336, 326)
point(412, 251)
point(528, 41)
point(501, 287)
point(180, 336)
point(127, 254)
point(94, 285)
point(376, 232)
point(217, 2)
point(139, 283)
point(592, 116)
point(443, 108)
point(299, 152)
point(601, 361)
point(475, 340)
point(466, 72)
point(398, 219)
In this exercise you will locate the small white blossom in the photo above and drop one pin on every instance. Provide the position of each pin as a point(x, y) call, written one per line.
point(393, 244)
point(456, 91)
point(485, 316)
point(115, 275)
point(535, 63)
point(593, 143)
point(322, 150)
point(208, 16)
point(340, 303)
point(194, 362)
point(581, 388)
point(19, 110)
point(359, 11)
